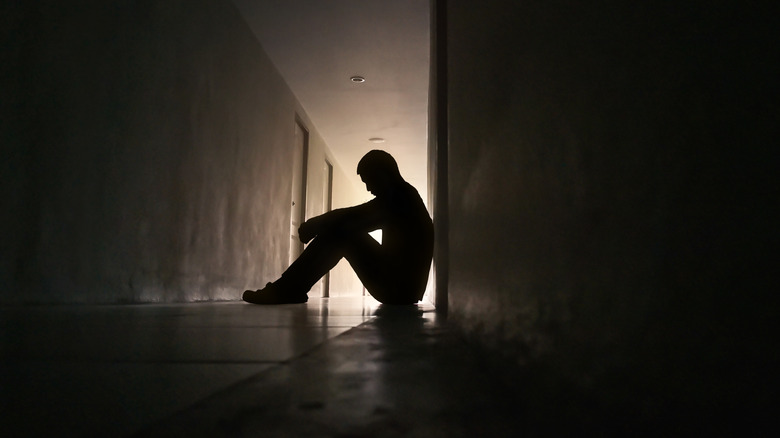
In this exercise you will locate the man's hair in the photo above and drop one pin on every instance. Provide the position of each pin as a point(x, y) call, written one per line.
point(377, 162)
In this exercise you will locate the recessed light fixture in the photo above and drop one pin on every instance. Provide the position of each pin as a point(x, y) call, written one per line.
point(376, 140)
point(357, 79)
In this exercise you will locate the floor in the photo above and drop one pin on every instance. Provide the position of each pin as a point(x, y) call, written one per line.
point(115, 370)
point(333, 367)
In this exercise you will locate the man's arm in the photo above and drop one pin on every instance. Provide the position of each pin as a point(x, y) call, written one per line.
point(365, 217)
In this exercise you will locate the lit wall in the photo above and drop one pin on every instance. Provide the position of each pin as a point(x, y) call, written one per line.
point(146, 154)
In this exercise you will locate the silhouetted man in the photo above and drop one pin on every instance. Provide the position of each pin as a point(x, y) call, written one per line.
point(395, 272)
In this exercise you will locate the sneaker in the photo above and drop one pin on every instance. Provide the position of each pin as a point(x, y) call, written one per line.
point(273, 294)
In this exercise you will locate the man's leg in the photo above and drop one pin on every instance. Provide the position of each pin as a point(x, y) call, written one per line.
point(378, 272)
point(319, 257)
point(364, 254)
point(323, 253)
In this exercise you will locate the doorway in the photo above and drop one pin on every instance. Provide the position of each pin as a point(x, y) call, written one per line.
point(327, 205)
point(298, 204)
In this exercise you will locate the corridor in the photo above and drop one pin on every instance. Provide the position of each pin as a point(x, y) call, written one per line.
point(600, 177)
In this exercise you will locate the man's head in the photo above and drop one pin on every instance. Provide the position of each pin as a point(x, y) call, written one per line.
point(379, 171)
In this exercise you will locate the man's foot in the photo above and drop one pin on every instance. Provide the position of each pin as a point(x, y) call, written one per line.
point(273, 294)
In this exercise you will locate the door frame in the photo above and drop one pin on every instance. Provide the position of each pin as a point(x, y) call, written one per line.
point(327, 205)
point(296, 247)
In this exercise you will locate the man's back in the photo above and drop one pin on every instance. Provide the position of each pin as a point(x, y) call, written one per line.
point(407, 234)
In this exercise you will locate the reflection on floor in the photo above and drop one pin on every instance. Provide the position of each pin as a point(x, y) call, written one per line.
point(402, 374)
point(115, 370)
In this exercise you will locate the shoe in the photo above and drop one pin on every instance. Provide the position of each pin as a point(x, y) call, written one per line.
point(273, 294)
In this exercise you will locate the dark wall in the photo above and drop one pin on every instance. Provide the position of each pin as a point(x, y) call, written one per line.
point(611, 172)
point(146, 153)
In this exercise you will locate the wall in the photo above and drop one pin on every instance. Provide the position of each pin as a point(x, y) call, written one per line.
point(609, 181)
point(146, 153)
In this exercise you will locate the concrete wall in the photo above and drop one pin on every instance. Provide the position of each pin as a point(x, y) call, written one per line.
point(146, 153)
point(610, 181)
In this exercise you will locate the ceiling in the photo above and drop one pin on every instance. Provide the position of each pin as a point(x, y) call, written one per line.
point(317, 45)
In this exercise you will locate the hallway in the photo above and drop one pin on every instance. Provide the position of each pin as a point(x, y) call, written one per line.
point(600, 179)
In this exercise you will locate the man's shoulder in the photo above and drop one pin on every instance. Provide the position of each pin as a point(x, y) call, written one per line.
point(405, 193)
point(409, 190)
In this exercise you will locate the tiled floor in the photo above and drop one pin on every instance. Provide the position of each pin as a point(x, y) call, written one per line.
point(115, 370)
point(400, 374)
point(338, 367)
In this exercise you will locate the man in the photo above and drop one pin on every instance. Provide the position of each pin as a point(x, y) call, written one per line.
point(395, 272)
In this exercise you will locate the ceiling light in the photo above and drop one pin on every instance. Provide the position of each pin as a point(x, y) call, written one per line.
point(357, 79)
point(376, 140)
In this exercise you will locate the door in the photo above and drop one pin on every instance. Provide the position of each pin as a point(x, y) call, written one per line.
point(298, 204)
point(327, 205)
